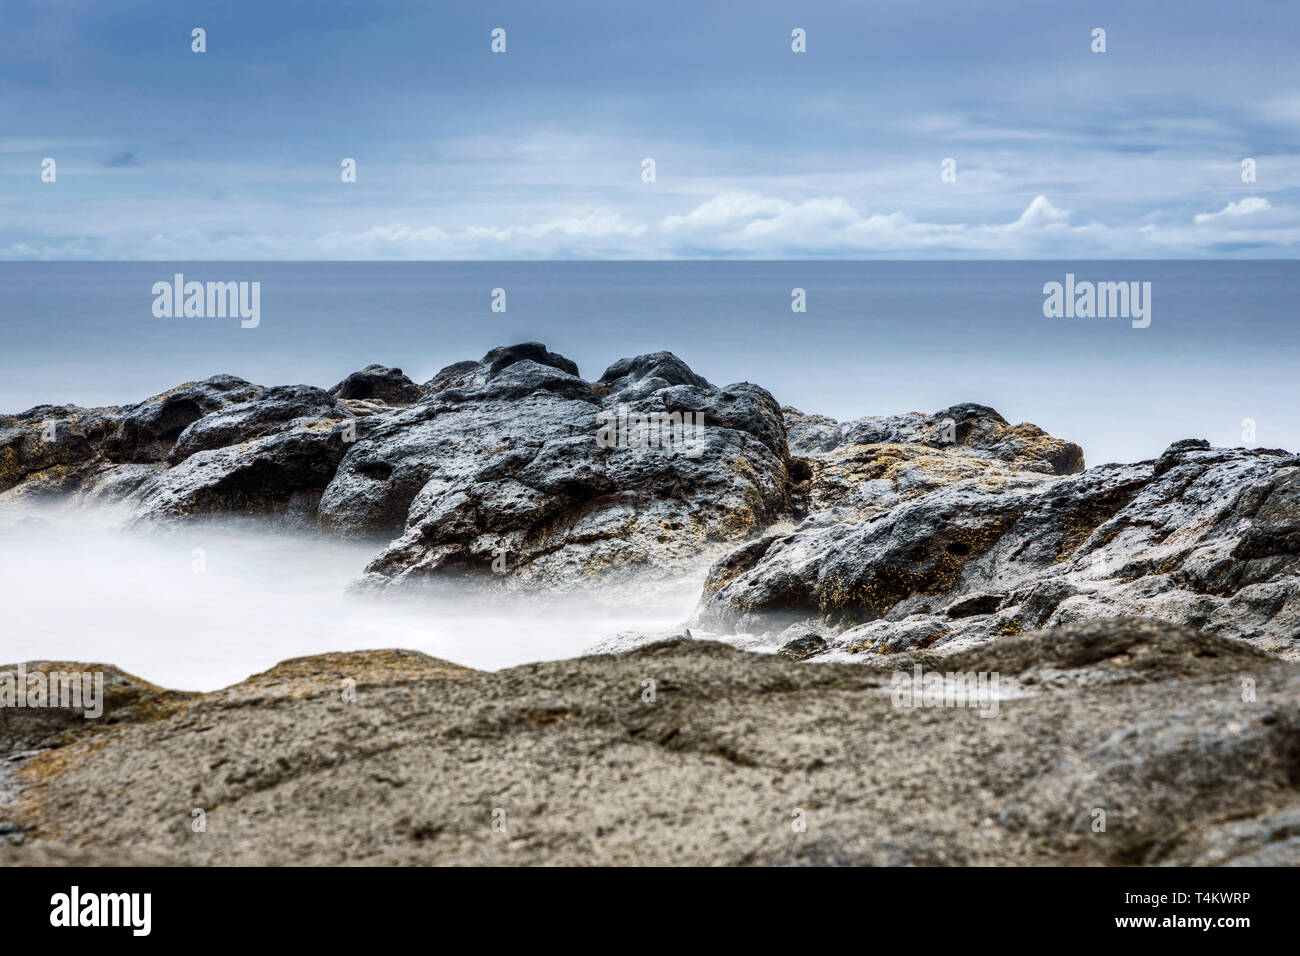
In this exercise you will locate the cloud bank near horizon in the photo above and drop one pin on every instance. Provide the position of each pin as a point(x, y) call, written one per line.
point(732, 225)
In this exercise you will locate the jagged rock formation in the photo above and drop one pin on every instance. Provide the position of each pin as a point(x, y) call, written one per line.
point(56, 448)
point(1201, 536)
point(875, 536)
point(1185, 742)
point(501, 458)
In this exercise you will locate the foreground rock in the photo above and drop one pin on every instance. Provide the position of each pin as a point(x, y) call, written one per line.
point(1187, 743)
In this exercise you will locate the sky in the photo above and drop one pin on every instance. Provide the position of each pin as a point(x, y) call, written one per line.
point(759, 152)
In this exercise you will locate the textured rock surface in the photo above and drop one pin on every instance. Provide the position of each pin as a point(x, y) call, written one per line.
point(500, 460)
point(60, 445)
point(1188, 743)
point(970, 429)
point(882, 534)
point(906, 549)
point(271, 410)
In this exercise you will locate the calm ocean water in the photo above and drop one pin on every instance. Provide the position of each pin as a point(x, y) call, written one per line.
point(877, 337)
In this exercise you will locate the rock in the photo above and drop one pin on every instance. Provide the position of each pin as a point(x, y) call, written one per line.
point(61, 445)
point(626, 641)
point(871, 478)
point(471, 374)
point(45, 442)
point(378, 383)
point(490, 429)
point(281, 474)
point(26, 731)
point(1143, 722)
point(271, 410)
point(894, 533)
point(801, 641)
point(810, 434)
point(499, 469)
point(502, 358)
point(456, 375)
point(147, 431)
point(630, 379)
point(1204, 537)
point(970, 429)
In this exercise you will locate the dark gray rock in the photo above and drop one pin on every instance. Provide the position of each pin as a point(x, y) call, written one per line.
point(632, 378)
point(501, 464)
point(281, 474)
point(473, 375)
point(271, 410)
point(896, 533)
point(378, 382)
point(798, 642)
point(147, 431)
point(61, 445)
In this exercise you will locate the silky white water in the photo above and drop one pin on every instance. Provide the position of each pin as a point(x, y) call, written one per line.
point(202, 606)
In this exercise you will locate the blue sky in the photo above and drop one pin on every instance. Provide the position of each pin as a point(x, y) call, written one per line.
point(760, 152)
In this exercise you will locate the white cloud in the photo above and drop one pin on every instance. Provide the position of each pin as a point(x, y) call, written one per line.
point(1040, 214)
point(1245, 207)
point(726, 225)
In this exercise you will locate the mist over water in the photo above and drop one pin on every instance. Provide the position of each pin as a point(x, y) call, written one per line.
point(79, 586)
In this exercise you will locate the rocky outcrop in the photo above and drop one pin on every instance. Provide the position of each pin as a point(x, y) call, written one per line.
point(283, 473)
point(502, 468)
point(1181, 745)
point(471, 374)
point(378, 383)
point(965, 430)
point(271, 410)
point(810, 434)
point(67, 443)
point(879, 535)
point(1201, 536)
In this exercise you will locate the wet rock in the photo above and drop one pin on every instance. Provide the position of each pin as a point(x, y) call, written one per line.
point(58, 446)
point(632, 378)
point(896, 532)
point(146, 432)
point(801, 641)
point(852, 571)
point(281, 474)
